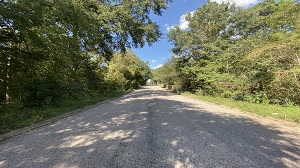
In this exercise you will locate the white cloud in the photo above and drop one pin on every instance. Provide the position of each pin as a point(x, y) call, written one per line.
point(153, 61)
point(183, 23)
point(239, 2)
point(158, 66)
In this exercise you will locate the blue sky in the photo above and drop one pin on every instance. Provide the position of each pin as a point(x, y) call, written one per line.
point(159, 52)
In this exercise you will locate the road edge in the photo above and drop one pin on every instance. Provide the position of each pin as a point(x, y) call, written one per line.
point(20, 131)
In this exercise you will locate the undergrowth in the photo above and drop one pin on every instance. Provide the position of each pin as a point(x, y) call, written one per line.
point(13, 117)
point(289, 113)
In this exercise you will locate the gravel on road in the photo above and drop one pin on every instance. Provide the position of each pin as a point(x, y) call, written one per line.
point(153, 128)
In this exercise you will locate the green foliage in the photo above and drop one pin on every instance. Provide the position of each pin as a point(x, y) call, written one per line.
point(57, 51)
point(289, 113)
point(249, 54)
point(14, 118)
point(49, 46)
point(127, 71)
point(166, 74)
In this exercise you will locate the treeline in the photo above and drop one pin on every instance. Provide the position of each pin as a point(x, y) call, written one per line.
point(249, 54)
point(51, 51)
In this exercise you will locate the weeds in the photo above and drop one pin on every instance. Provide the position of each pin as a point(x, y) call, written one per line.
point(289, 113)
point(18, 117)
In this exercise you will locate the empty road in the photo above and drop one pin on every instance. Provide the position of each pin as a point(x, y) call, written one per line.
point(154, 128)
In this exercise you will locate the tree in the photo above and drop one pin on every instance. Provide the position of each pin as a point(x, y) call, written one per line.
point(167, 74)
point(49, 46)
point(248, 54)
point(127, 71)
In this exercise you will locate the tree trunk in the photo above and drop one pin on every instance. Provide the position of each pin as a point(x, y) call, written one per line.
point(4, 96)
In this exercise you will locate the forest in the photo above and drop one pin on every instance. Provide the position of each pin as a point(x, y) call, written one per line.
point(247, 54)
point(53, 52)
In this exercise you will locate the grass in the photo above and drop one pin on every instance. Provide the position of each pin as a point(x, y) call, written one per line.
point(15, 118)
point(290, 113)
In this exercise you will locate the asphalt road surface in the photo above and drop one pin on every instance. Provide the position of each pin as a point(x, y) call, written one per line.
point(155, 128)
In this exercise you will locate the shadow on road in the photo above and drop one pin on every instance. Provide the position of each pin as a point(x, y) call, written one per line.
point(150, 128)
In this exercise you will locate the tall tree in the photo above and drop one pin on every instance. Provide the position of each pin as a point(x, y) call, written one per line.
point(245, 53)
point(47, 45)
point(127, 71)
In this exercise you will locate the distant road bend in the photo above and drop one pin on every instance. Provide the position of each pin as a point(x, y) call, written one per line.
point(155, 128)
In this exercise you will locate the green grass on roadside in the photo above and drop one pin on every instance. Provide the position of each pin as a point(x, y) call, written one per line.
point(22, 117)
point(291, 113)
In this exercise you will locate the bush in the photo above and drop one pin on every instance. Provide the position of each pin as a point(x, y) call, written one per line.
point(227, 94)
point(75, 90)
point(116, 81)
point(239, 96)
point(41, 93)
point(286, 87)
point(258, 97)
point(200, 92)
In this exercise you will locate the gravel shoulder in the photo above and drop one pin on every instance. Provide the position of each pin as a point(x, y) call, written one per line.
point(152, 127)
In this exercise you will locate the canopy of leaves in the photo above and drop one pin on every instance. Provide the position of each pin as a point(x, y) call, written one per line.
point(55, 50)
point(127, 71)
point(249, 54)
point(167, 73)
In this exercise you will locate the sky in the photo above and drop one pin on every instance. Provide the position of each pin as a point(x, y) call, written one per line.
point(160, 51)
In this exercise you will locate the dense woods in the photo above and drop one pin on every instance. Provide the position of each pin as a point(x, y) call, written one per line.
point(249, 54)
point(53, 51)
